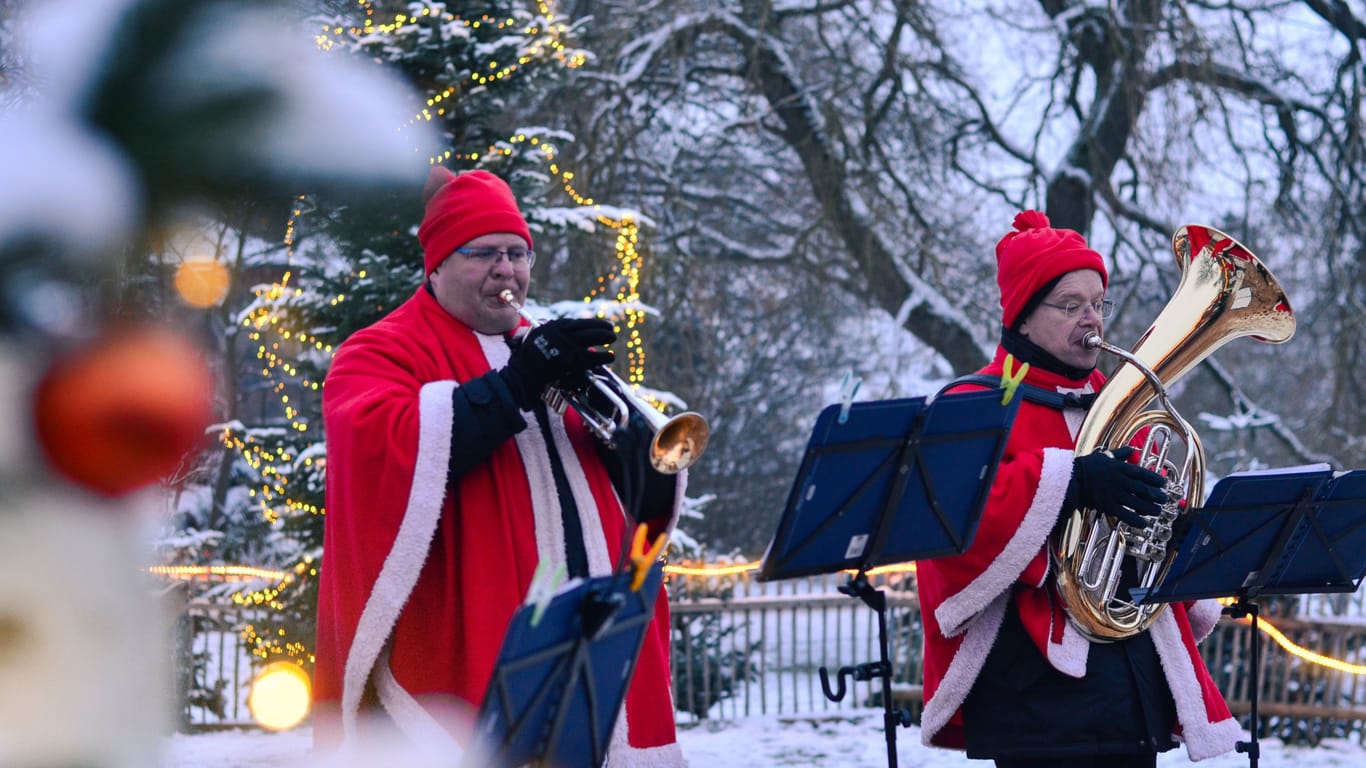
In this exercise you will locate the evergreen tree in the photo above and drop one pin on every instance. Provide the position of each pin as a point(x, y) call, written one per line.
point(483, 67)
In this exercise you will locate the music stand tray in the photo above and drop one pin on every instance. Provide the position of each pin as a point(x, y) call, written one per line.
point(1271, 533)
point(1280, 532)
point(890, 481)
point(561, 677)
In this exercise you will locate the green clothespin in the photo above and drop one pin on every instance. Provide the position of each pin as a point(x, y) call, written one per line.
point(1011, 379)
point(544, 584)
point(848, 388)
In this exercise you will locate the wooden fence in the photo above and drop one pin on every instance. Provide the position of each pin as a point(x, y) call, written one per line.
point(1300, 700)
point(743, 649)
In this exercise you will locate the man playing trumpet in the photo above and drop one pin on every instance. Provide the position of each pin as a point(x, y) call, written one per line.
point(449, 481)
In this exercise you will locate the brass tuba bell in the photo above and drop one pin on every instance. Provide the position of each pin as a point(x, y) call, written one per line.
point(1225, 292)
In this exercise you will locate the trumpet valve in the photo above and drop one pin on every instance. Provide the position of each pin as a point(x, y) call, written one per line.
point(555, 400)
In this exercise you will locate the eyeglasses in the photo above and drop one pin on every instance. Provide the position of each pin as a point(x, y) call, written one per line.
point(517, 257)
point(1103, 308)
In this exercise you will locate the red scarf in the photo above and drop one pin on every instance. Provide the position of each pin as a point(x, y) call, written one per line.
point(419, 584)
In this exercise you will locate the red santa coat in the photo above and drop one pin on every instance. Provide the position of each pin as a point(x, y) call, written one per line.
point(963, 599)
point(420, 577)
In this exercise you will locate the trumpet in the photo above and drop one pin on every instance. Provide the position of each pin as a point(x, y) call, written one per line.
point(678, 441)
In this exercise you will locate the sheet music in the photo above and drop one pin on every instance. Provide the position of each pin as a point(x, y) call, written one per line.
point(1316, 472)
point(1298, 469)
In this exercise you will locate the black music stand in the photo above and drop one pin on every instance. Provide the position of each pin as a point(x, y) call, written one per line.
point(1269, 533)
point(888, 482)
point(562, 675)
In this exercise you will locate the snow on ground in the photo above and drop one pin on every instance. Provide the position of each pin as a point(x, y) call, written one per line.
point(847, 740)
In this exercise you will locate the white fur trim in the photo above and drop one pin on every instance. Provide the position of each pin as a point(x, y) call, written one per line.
point(408, 715)
point(665, 756)
point(594, 542)
point(621, 753)
point(1202, 738)
point(680, 492)
point(1069, 656)
point(404, 562)
point(545, 500)
point(1204, 615)
point(967, 663)
point(955, 613)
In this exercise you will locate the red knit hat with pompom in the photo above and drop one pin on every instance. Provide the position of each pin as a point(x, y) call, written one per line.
point(461, 208)
point(1033, 256)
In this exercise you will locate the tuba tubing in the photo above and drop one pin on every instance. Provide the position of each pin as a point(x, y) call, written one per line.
point(1225, 292)
point(678, 441)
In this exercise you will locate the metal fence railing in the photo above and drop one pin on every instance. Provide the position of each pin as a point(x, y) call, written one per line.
point(746, 648)
point(213, 670)
point(743, 648)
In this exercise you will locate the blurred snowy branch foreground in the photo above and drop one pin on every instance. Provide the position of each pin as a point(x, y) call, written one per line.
point(146, 108)
point(846, 741)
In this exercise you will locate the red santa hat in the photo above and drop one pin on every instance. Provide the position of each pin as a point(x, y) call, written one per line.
point(461, 208)
point(1035, 255)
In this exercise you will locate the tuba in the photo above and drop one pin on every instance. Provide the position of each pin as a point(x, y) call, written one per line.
point(1225, 292)
point(678, 442)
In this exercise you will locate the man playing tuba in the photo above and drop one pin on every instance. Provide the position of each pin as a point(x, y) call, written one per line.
point(1007, 676)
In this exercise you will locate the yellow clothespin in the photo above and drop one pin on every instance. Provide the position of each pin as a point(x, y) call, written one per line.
point(544, 584)
point(641, 560)
point(1011, 379)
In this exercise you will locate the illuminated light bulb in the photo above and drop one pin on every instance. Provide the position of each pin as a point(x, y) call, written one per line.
point(279, 698)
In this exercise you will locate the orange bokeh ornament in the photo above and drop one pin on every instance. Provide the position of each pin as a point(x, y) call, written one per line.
point(123, 411)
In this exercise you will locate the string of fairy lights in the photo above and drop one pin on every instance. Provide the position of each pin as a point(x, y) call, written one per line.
point(713, 571)
point(277, 342)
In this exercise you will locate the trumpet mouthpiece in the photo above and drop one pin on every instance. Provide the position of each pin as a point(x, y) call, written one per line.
point(1092, 340)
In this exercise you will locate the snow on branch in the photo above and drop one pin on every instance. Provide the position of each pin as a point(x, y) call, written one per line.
point(1251, 414)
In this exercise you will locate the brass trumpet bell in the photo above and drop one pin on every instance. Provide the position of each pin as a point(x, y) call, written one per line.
point(678, 441)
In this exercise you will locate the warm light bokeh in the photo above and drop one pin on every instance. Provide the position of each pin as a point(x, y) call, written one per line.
point(279, 698)
point(202, 284)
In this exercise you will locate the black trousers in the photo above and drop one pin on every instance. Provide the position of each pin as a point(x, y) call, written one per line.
point(1021, 709)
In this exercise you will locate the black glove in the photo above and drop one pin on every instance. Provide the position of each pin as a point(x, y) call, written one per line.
point(647, 494)
point(1109, 484)
point(553, 352)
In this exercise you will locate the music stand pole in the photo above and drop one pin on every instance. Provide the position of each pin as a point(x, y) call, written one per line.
point(876, 599)
point(1290, 532)
point(888, 482)
point(1238, 610)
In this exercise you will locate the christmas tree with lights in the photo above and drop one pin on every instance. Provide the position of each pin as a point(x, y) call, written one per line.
point(481, 67)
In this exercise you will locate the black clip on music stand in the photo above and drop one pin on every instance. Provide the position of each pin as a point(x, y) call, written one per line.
point(1271, 533)
point(558, 685)
point(887, 482)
